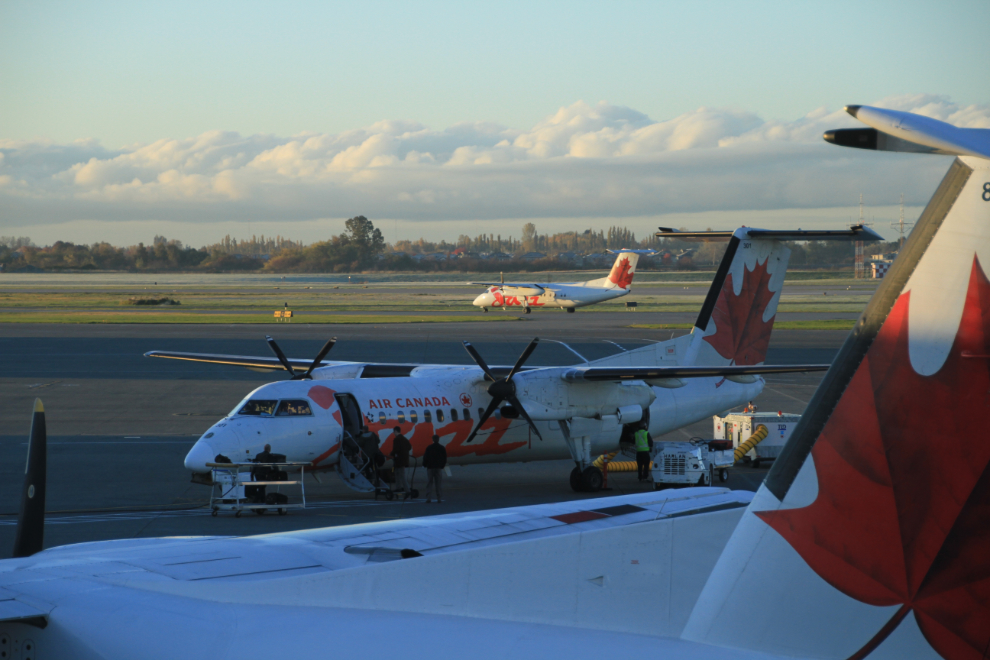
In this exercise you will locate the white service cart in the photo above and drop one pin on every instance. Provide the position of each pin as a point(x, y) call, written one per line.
point(231, 482)
point(695, 463)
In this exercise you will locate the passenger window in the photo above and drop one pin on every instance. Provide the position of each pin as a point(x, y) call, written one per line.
point(453, 414)
point(381, 418)
point(439, 415)
point(413, 417)
point(293, 408)
point(427, 417)
point(467, 414)
point(262, 407)
point(401, 417)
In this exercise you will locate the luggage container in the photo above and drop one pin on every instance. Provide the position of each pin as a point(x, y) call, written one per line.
point(737, 427)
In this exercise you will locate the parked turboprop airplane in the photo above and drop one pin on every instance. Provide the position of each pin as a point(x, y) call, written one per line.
point(565, 295)
point(867, 539)
point(518, 414)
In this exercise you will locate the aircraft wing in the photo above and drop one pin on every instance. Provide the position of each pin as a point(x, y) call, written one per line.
point(368, 369)
point(529, 288)
point(250, 361)
point(654, 373)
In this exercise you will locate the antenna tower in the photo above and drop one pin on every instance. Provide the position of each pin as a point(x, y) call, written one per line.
point(900, 225)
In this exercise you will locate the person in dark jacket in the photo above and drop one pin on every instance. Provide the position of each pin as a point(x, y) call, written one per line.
point(434, 460)
point(401, 447)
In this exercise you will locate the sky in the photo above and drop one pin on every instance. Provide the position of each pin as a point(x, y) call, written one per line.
point(119, 121)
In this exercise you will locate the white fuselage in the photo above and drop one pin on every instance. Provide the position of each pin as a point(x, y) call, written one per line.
point(564, 296)
point(448, 401)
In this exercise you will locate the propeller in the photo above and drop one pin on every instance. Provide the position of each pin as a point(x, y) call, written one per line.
point(31, 519)
point(301, 375)
point(502, 389)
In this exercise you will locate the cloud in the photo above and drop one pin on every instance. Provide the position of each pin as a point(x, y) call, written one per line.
point(582, 161)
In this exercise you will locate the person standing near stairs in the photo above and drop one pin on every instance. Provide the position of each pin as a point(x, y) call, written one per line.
point(401, 447)
point(434, 460)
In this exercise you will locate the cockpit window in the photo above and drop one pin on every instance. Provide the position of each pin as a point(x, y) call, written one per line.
point(293, 407)
point(258, 407)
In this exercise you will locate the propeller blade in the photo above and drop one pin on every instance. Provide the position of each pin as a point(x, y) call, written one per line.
point(280, 355)
point(31, 520)
point(484, 418)
point(522, 358)
point(479, 360)
point(522, 411)
point(319, 357)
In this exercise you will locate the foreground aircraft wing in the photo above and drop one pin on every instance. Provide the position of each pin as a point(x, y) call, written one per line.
point(650, 373)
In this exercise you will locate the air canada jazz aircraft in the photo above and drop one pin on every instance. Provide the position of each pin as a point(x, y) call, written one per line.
point(869, 537)
point(565, 295)
point(502, 414)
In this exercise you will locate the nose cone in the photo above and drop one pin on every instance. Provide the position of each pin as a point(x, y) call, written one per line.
point(484, 300)
point(200, 454)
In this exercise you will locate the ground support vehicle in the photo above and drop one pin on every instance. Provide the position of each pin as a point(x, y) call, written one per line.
point(232, 483)
point(694, 463)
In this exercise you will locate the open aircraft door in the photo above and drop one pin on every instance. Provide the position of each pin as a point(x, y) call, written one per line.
point(356, 467)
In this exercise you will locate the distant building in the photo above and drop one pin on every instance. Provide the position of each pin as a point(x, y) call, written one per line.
point(533, 256)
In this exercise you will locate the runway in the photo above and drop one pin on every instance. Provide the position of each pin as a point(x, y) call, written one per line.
point(120, 424)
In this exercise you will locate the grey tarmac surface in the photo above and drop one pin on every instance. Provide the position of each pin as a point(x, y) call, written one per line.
point(120, 424)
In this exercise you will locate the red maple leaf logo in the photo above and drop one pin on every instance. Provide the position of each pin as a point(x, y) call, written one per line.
point(465, 399)
point(621, 275)
point(903, 500)
point(741, 335)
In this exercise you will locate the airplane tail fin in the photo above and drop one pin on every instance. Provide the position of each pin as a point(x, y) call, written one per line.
point(869, 536)
point(623, 270)
point(736, 319)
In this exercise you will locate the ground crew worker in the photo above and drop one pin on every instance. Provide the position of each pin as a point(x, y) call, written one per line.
point(260, 473)
point(643, 443)
point(750, 408)
point(401, 447)
point(434, 460)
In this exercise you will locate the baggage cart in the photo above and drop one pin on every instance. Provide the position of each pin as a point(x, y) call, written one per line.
point(233, 483)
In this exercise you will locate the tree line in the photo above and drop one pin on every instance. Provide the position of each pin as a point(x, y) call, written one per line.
point(361, 247)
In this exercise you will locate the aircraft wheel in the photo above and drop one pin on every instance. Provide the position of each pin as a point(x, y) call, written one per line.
point(570, 310)
point(389, 495)
point(576, 484)
point(484, 309)
point(528, 310)
point(260, 512)
point(282, 512)
point(237, 515)
point(756, 463)
point(214, 514)
point(723, 475)
point(592, 479)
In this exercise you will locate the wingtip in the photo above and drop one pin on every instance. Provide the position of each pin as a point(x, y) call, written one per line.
point(852, 109)
point(39, 407)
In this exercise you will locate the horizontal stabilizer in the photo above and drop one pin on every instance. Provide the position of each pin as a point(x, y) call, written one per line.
point(904, 131)
point(651, 373)
point(854, 233)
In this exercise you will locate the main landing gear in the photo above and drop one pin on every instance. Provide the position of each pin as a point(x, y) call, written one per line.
point(588, 480)
point(528, 310)
point(570, 310)
point(484, 309)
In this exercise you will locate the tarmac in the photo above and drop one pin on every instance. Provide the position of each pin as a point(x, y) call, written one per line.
point(119, 424)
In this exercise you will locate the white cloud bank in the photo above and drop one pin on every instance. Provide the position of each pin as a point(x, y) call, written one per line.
point(582, 162)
